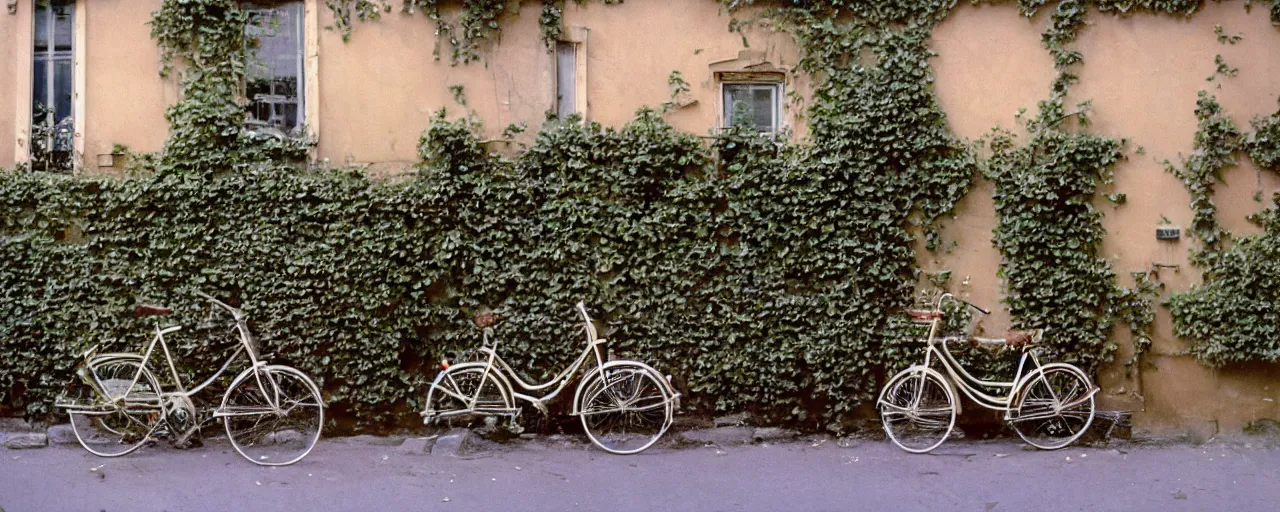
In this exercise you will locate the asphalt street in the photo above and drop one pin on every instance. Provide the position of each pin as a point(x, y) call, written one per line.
point(372, 474)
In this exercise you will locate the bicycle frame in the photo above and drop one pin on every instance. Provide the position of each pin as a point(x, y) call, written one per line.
point(246, 346)
point(959, 377)
point(971, 385)
point(560, 381)
point(494, 364)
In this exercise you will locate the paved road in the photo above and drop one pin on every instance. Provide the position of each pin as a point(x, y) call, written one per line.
point(357, 474)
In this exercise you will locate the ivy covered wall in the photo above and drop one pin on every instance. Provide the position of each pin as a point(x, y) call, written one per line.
point(763, 276)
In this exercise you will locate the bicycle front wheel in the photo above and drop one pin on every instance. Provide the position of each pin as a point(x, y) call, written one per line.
point(625, 408)
point(1054, 407)
point(267, 435)
point(120, 415)
point(918, 410)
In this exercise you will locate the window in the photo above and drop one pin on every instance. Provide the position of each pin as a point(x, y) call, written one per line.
point(756, 104)
point(566, 79)
point(52, 124)
point(274, 78)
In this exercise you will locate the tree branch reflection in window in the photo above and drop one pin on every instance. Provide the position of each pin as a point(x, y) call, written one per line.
point(274, 78)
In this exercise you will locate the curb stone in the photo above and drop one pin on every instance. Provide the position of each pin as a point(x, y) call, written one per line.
point(417, 445)
point(373, 440)
point(61, 434)
point(771, 434)
point(731, 420)
point(723, 436)
point(15, 425)
point(26, 441)
point(452, 442)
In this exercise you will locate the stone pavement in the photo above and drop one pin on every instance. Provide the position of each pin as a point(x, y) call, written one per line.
point(732, 468)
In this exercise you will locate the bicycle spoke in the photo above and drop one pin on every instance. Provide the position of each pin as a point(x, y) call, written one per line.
point(114, 423)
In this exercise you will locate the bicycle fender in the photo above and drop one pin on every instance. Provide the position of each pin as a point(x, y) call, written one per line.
point(667, 388)
point(85, 368)
point(112, 356)
point(244, 374)
point(1039, 371)
point(914, 368)
point(493, 372)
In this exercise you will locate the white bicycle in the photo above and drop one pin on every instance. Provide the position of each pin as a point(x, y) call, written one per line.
point(1049, 406)
point(625, 406)
point(272, 413)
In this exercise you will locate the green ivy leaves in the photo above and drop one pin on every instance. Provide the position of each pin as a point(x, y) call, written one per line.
point(1232, 317)
point(761, 274)
point(1217, 139)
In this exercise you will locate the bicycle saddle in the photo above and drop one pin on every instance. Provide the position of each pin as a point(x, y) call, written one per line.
point(485, 317)
point(141, 311)
point(1019, 338)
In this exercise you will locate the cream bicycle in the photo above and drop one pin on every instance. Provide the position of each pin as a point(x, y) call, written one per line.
point(1049, 406)
point(625, 406)
point(272, 413)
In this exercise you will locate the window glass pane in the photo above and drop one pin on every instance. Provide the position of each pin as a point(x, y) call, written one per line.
point(566, 82)
point(762, 105)
point(63, 25)
point(39, 85)
point(52, 130)
point(62, 88)
point(42, 29)
point(273, 74)
point(752, 105)
point(734, 108)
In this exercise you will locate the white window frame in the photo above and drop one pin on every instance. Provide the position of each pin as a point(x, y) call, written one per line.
point(778, 91)
point(24, 81)
point(566, 107)
point(576, 36)
point(302, 61)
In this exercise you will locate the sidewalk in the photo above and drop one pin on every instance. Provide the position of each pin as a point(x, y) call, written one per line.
point(806, 474)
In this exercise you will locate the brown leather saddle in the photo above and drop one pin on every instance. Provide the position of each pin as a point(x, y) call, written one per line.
point(141, 311)
point(1019, 339)
point(1011, 339)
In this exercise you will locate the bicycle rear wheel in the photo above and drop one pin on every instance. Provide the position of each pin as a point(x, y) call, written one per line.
point(120, 415)
point(625, 408)
point(1054, 411)
point(273, 436)
point(918, 410)
point(466, 392)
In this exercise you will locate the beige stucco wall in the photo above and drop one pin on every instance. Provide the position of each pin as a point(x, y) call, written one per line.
point(1142, 74)
point(8, 58)
point(379, 90)
point(124, 95)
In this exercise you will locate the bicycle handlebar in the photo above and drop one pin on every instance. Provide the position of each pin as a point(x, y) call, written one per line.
point(967, 303)
point(977, 307)
point(592, 335)
point(234, 312)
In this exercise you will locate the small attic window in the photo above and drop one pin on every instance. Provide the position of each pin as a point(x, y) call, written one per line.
point(753, 100)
